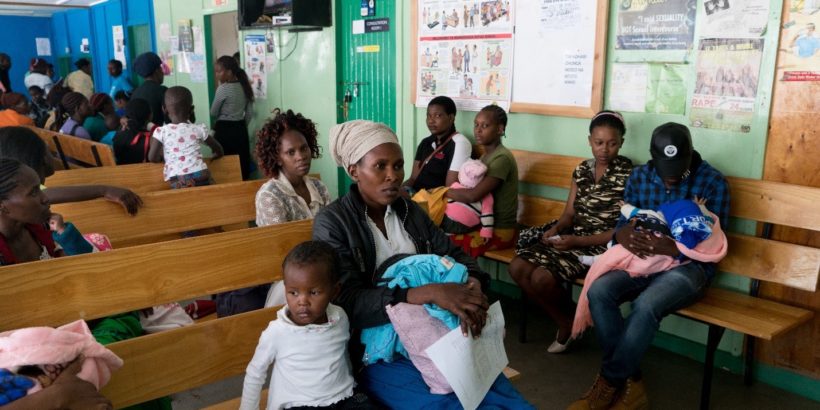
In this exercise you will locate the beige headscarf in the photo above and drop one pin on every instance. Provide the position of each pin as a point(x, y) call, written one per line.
point(352, 140)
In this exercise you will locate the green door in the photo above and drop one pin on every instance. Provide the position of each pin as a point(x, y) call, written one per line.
point(366, 68)
point(139, 41)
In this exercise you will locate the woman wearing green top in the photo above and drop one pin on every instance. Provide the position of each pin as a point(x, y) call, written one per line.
point(501, 180)
point(104, 119)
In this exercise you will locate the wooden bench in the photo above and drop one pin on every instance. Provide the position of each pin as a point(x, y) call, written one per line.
point(756, 257)
point(76, 152)
point(166, 214)
point(122, 280)
point(141, 177)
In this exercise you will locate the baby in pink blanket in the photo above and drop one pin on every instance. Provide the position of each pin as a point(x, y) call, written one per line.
point(697, 234)
point(41, 354)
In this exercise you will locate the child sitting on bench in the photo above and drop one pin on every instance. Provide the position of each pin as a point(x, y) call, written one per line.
point(307, 342)
point(462, 217)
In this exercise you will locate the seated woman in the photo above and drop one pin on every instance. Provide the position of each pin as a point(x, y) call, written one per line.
point(501, 180)
point(285, 146)
point(72, 111)
point(366, 227)
point(547, 256)
point(102, 115)
point(16, 110)
point(24, 145)
point(440, 155)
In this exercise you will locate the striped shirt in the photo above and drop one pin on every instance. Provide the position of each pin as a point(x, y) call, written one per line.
point(645, 189)
point(230, 103)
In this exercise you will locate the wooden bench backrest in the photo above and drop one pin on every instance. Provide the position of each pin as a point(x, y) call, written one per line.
point(58, 291)
point(165, 212)
point(792, 265)
point(142, 177)
point(77, 151)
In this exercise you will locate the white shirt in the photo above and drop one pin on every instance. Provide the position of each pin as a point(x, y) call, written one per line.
point(277, 202)
point(181, 148)
point(311, 369)
point(397, 240)
point(41, 80)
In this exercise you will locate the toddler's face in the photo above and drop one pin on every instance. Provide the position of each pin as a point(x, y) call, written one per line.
point(308, 290)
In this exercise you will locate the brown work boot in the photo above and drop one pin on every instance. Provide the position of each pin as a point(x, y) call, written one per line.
point(632, 396)
point(599, 396)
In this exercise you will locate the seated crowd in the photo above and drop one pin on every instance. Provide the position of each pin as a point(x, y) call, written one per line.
point(455, 205)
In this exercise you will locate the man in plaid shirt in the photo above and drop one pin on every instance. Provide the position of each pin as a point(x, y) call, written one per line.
point(676, 171)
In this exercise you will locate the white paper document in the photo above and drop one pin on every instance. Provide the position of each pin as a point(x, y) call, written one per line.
point(472, 365)
point(629, 84)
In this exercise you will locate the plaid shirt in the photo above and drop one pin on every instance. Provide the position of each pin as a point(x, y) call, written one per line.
point(646, 190)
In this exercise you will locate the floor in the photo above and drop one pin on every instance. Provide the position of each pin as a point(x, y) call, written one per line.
point(551, 381)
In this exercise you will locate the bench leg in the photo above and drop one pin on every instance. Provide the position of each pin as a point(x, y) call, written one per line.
point(522, 326)
point(748, 361)
point(715, 334)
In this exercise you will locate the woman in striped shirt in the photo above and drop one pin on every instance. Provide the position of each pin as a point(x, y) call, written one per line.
point(232, 109)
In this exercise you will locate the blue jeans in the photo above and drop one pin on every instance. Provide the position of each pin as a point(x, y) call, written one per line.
point(624, 341)
point(399, 385)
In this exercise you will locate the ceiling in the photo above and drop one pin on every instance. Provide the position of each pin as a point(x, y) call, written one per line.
point(42, 8)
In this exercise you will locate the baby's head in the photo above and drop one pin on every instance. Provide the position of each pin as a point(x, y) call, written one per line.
point(311, 276)
point(471, 173)
point(689, 221)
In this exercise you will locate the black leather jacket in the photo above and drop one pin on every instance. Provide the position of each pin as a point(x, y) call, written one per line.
point(343, 224)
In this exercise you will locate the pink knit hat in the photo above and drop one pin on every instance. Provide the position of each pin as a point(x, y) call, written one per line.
point(471, 173)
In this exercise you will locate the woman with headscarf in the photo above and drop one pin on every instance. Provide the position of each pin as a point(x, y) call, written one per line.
point(368, 226)
point(70, 115)
point(15, 111)
point(38, 75)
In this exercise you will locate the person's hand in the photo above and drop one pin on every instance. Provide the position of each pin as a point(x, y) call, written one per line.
point(545, 238)
point(629, 238)
point(56, 223)
point(661, 245)
point(125, 197)
point(123, 123)
point(217, 155)
point(465, 301)
point(71, 392)
point(565, 242)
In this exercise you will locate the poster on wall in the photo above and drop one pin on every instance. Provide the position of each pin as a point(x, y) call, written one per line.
point(43, 46)
point(186, 36)
point(726, 83)
point(737, 19)
point(255, 64)
point(656, 24)
point(119, 44)
point(465, 51)
point(654, 88)
point(799, 54)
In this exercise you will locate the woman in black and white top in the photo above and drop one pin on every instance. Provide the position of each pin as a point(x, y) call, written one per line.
point(232, 109)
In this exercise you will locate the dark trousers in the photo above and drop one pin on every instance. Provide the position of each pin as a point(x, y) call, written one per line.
point(233, 135)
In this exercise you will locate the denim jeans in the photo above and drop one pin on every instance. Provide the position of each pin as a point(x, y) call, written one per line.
point(624, 341)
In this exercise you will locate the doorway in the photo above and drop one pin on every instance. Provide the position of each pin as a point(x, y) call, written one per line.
point(222, 38)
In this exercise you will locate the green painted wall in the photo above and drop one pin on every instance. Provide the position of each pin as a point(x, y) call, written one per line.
point(304, 82)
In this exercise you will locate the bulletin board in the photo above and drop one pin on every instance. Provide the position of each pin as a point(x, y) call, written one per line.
point(559, 57)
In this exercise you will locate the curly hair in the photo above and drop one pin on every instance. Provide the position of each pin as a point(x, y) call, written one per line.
point(269, 138)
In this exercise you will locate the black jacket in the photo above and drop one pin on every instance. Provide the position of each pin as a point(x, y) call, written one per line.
point(343, 224)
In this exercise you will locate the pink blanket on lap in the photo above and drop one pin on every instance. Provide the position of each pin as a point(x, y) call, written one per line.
point(713, 249)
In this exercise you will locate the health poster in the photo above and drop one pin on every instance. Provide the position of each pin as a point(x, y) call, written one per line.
point(465, 51)
point(799, 55)
point(656, 24)
point(726, 83)
point(255, 64)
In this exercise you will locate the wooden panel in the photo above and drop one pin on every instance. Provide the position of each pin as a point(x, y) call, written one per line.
point(86, 151)
point(775, 202)
point(97, 285)
point(535, 211)
point(545, 169)
point(792, 149)
point(142, 177)
point(177, 360)
point(772, 261)
point(166, 212)
point(746, 314)
point(501, 255)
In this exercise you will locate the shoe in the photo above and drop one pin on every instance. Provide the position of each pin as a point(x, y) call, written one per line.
point(558, 347)
point(599, 396)
point(632, 397)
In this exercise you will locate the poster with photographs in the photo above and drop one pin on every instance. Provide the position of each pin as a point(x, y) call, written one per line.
point(726, 83)
point(465, 52)
point(738, 19)
point(255, 64)
point(656, 25)
point(799, 55)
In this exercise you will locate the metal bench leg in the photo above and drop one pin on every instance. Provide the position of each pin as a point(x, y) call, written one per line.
point(715, 334)
point(748, 362)
point(522, 326)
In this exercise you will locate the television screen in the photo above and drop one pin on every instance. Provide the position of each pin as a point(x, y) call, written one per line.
point(277, 6)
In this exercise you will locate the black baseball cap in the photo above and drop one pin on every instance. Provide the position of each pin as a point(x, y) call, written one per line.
point(671, 149)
